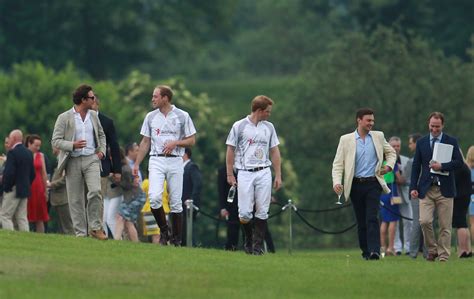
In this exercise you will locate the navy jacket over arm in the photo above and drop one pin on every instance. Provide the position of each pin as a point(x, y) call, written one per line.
point(421, 177)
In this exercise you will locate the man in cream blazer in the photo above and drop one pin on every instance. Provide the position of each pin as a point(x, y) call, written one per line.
point(359, 158)
point(81, 140)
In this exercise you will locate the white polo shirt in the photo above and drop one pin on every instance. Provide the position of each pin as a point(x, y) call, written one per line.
point(84, 131)
point(252, 143)
point(160, 128)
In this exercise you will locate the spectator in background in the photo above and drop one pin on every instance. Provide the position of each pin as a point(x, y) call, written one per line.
point(462, 177)
point(18, 175)
point(111, 166)
point(402, 182)
point(416, 237)
point(470, 163)
point(133, 200)
point(37, 204)
point(3, 158)
point(192, 186)
point(229, 211)
point(150, 227)
point(58, 200)
point(389, 213)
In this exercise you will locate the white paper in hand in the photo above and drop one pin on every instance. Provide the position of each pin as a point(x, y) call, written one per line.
point(442, 153)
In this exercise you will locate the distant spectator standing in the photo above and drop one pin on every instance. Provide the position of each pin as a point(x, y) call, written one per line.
point(111, 166)
point(37, 203)
point(18, 175)
point(192, 186)
point(470, 163)
point(229, 211)
point(3, 158)
point(81, 140)
point(403, 184)
point(133, 200)
point(435, 191)
point(462, 177)
point(416, 237)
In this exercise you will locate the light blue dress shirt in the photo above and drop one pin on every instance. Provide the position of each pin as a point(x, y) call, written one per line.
point(366, 157)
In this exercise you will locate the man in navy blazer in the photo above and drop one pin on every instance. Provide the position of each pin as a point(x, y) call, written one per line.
point(435, 191)
point(18, 175)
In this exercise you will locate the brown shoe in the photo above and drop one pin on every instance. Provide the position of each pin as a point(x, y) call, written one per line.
point(98, 234)
point(432, 257)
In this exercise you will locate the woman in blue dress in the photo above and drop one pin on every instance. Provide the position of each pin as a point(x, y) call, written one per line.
point(389, 213)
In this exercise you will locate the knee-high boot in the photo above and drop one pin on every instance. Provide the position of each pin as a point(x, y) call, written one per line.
point(259, 236)
point(160, 218)
point(176, 228)
point(247, 227)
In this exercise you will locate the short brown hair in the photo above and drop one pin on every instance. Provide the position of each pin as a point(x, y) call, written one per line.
point(261, 102)
point(165, 90)
point(437, 115)
point(30, 139)
point(80, 93)
point(364, 111)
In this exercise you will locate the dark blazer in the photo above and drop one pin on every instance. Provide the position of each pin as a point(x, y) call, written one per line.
point(421, 161)
point(192, 183)
point(114, 165)
point(19, 171)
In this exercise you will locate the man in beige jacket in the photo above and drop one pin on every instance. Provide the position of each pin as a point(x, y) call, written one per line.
point(359, 158)
point(81, 140)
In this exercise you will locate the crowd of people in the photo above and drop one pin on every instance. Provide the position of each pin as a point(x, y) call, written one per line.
point(382, 183)
point(98, 190)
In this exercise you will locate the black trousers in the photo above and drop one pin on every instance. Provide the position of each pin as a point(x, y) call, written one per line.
point(365, 199)
point(233, 227)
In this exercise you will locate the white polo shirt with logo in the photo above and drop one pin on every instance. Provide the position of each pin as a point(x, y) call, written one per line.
point(177, 125)
point(252, 143)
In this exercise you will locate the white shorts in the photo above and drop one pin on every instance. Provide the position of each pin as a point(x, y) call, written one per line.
point(171, 169)
point(255, 190)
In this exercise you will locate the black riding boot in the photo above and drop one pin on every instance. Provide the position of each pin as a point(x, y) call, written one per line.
point(247, 227)
point(176, 228)
point(160, 218)
point(259, 236)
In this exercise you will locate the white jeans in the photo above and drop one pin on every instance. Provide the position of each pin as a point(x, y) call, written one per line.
point(255, 189)
point(169, 169)
point(111, 206)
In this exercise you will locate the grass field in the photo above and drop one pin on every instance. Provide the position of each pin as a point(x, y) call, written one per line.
point(54, 266)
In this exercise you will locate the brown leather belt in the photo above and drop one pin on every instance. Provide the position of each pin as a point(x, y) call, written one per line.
point(164, 155)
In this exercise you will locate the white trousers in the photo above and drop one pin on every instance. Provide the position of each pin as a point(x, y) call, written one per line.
point(111, 206)
point(169, 169)
point(255, 190)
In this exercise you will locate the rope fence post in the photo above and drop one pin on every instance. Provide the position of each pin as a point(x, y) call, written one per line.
point(292, 207)
point(189, 222)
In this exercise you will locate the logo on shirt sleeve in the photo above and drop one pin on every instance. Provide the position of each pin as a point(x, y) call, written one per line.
point(157, 132)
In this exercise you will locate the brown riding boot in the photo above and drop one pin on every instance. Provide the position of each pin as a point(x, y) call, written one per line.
point(259, 236)
point(160, 218)
point(176, 228)
point(247, 227)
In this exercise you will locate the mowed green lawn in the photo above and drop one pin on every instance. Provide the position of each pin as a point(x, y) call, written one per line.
point(54, 266)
